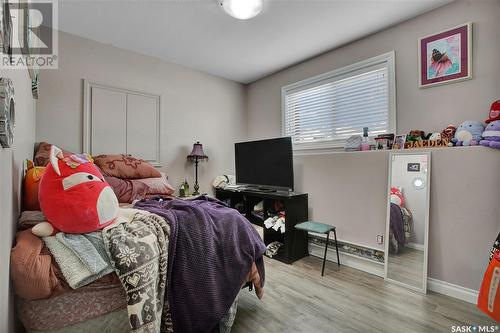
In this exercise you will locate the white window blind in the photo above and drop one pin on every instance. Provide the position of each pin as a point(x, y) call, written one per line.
point(324, 111)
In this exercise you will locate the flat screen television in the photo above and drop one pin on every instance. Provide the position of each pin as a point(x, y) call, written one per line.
point(265, 164)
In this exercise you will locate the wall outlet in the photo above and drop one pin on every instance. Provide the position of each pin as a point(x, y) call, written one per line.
point(380, 239)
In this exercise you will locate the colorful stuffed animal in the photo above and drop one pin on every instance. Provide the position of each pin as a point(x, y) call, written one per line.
point(435, 136)
point(30, 186)
point(416, 135)
point(494, 112)
point(74, 197)
point(468, 133)
point(448, 133)
point(491, 135)
point(397, 196)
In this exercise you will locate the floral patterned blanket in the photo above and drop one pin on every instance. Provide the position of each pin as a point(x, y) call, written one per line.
point(139, 253)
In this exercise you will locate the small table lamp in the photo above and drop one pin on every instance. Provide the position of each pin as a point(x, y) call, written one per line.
point(196, 155)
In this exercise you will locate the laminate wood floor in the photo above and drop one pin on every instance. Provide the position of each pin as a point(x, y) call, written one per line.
point(298, 299)
point(407, 267)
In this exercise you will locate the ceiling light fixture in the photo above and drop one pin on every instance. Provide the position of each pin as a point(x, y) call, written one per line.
point(242, 9)
point(418, 183)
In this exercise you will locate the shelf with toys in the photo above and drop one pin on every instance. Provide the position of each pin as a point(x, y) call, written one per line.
point(470, 133)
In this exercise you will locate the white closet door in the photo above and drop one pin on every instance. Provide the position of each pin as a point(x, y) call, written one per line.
point(121, 121)
point(109, 121)
point(143, 127)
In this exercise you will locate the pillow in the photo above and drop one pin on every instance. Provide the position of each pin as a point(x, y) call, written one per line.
point(42, 154)
point(157, 186)
point(127, 190)
point(125, 167)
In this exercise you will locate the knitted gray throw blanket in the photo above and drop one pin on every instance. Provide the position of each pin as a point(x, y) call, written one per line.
point(81, 258)
point(139, 253)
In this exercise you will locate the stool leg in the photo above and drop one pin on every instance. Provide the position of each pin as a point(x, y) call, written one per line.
point(324, 258)
point(336, 246)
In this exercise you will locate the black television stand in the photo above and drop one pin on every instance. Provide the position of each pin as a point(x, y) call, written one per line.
point(294, 205)
point(261, 189)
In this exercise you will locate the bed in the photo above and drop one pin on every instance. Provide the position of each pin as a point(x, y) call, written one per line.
point(164, 265)
point(204, 287)
point(184, 275)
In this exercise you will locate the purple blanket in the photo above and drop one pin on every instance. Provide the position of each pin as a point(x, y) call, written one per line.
point(211, 250)
point(397, 224)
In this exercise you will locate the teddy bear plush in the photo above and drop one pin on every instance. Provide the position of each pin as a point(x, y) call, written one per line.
point(491, 135)
point(73, 196)
point(468, 133)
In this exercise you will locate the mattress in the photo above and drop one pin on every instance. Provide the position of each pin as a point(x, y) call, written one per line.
point(113, 322)
point(71, 308)
point(62, 314)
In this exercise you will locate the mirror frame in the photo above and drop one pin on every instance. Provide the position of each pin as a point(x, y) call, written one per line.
point(426, 222)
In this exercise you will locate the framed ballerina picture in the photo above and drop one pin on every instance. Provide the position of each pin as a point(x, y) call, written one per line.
point(446, 57)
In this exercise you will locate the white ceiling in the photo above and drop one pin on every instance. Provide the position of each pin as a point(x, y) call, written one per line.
point(200, 35)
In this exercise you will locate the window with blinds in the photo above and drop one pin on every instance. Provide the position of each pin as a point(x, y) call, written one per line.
point(322, 112)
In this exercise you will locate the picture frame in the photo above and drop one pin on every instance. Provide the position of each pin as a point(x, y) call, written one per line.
point(445, 57)
point(399, 142)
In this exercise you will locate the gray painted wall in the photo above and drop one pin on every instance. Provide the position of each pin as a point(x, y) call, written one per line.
point(11, 172)
point(349, 189)
point(194, 105)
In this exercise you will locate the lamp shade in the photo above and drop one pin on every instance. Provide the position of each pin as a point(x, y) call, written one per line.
point(197, 152)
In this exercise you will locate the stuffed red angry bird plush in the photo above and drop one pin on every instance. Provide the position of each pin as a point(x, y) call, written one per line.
point(494, 112)
point(73, 195)
point(397, 196)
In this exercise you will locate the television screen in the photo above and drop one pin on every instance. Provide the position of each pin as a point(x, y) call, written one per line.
point(265, 163)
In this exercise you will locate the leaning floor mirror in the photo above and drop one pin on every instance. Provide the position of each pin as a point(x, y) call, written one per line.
point(407, 226)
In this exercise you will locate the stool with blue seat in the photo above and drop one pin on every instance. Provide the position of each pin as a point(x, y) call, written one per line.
point(321, 228)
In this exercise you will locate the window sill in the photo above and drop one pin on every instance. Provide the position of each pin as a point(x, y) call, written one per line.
point(333, 151)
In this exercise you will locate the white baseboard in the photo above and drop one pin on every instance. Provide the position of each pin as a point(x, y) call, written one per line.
point(362, 264)
point(415, 246)
point(377, 268)
point(452, 290)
